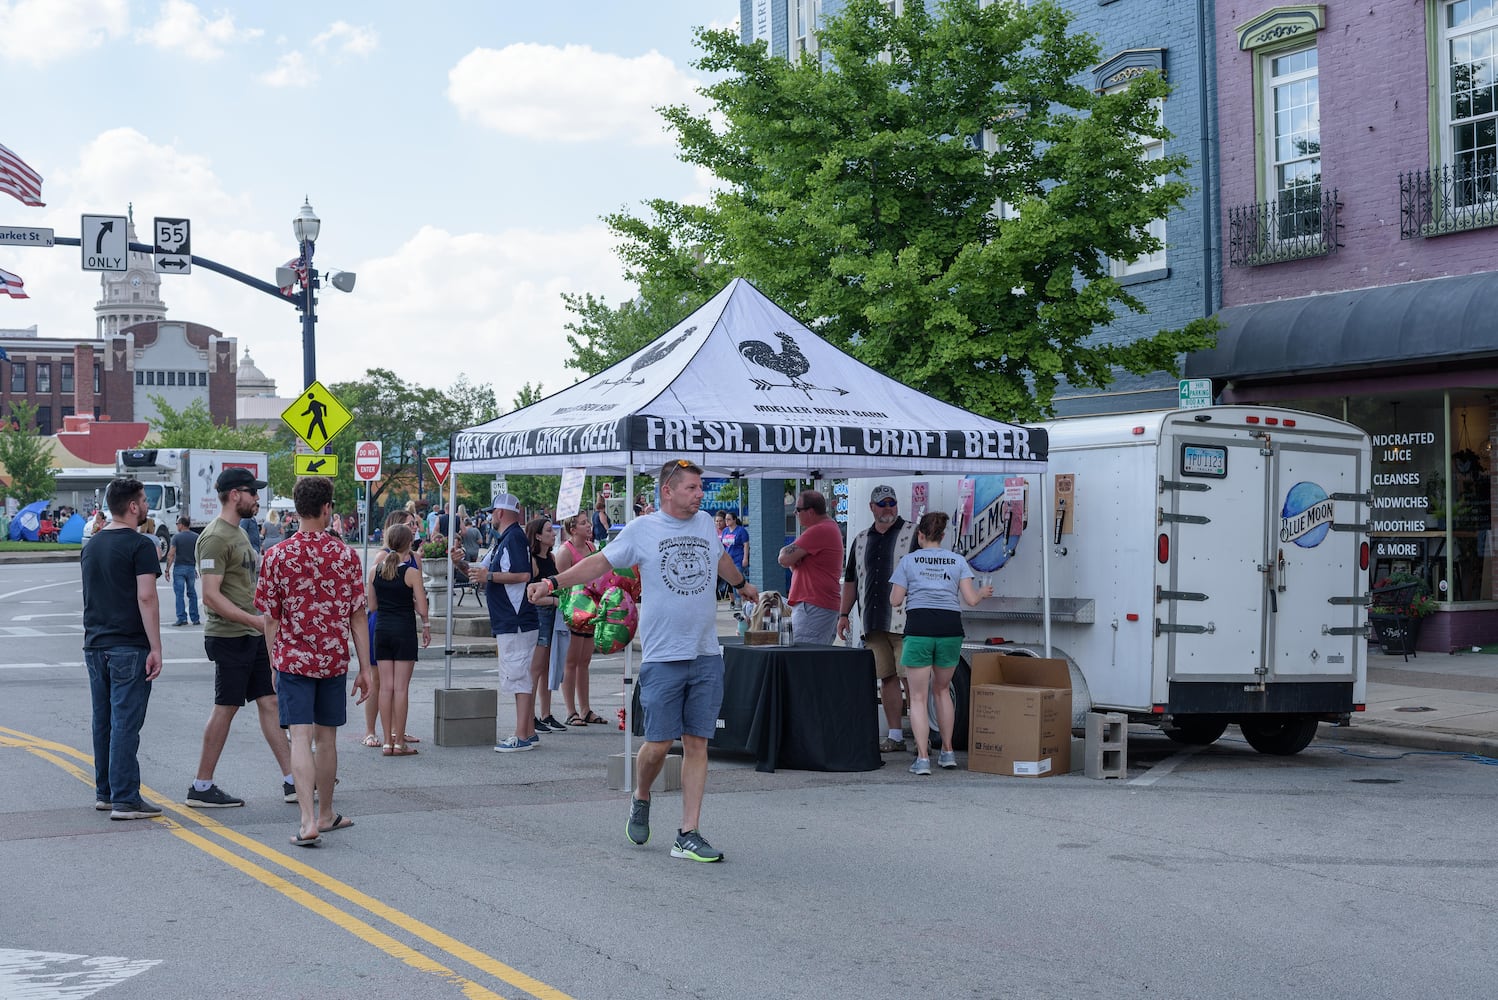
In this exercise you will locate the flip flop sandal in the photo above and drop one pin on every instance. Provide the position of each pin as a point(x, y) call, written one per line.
point(300, 841)
point(371, 741)
point(401, 750)
point(576, 720)
point(340, 822)
point(411, 739)
point(594, 719)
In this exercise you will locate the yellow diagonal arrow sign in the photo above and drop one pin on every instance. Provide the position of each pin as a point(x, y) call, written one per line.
point(315, 465)
point(316, 416)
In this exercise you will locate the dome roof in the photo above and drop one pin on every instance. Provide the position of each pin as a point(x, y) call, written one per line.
point(251, 381)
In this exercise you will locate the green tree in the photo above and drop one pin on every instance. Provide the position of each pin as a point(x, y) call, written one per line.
point(26, 457)
point(193, 427)
point(853, 192)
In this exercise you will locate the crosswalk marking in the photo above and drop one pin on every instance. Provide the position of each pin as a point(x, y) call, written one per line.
point(53, 975)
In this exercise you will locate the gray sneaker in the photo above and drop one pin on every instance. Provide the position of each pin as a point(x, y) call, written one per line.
point(922, 765)
point(946, 759)
point(638, 828)
point(134, 810)
point(693, 846)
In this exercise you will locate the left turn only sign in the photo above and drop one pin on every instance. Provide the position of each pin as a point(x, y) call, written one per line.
point(105, 242)
point(315, 465)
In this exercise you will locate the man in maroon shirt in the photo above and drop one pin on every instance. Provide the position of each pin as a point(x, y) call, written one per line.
point(311, 589)
point(815, 560)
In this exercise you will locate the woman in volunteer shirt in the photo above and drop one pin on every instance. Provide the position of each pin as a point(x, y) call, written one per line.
point(928, 582)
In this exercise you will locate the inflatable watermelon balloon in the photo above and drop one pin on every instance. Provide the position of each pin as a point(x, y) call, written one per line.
point(580, 611)
point(627, 579)
point(618, 617)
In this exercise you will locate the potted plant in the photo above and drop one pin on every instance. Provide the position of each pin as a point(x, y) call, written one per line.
point(434, 557)
point(1399, 602)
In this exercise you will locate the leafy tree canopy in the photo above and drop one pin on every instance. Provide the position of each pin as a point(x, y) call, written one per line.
point(26, 457)
point(193, 427)
point(940, 197)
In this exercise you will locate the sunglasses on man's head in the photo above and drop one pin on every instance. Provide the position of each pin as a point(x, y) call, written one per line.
point(886, 503)
point(802, 508)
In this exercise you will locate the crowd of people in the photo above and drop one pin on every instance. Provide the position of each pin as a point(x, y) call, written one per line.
point(273, 646)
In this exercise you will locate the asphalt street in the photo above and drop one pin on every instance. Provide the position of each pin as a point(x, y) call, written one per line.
point(1363, 871)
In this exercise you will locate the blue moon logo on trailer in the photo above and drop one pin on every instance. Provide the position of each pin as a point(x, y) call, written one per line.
point(1306, 516)
point(994, 529)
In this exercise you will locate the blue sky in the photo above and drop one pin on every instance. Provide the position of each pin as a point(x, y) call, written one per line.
point(460, 155)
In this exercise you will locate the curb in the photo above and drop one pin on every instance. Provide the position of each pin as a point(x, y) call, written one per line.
point(1416, 739)
point(32, 558)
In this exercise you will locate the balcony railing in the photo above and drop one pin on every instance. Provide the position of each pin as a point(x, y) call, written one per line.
point(1301, 222)
point(1448, 199)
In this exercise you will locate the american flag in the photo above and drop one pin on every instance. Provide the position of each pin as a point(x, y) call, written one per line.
point(18, 180)
point(300, 267)
point(12, 285)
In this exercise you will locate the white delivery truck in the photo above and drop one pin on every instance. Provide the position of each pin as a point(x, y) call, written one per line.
point(181, 481)
point(1206, 567)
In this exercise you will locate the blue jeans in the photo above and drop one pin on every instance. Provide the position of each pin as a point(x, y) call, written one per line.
point(185, 582)
point(117, 681)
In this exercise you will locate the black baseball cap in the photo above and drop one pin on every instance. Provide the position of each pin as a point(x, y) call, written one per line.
point(238, 479)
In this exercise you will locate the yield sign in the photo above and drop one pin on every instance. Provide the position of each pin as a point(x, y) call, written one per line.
point(439, 467)
point(367, 457)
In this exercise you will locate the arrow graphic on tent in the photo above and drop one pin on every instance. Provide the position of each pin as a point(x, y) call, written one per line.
point(647, 359)
point(796, 383)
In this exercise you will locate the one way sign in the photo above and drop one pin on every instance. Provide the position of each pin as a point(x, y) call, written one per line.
point(173, 246)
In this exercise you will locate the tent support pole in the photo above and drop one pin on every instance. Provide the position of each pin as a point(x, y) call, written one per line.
point(452, 518)
point(629, 654)
point(1045, 560)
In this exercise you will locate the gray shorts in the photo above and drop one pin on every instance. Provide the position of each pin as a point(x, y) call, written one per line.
point(814, 624)
point(681, 697)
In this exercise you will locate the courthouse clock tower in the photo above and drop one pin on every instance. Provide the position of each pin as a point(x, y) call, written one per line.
point(130, 296)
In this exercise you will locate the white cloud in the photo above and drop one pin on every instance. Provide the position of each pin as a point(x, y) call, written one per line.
point(348, 38)
point(180, 26)
point(43, 31)
point(570, 94)
point(291, 70)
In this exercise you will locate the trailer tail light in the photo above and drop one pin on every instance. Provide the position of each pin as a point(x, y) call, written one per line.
point(1162, 548)
point(1360, 708)
point(1272, 421)
point(1363, 556)
point(1138, 431)
point(1131, 617)
point(1157, 710)
point(1288, 422)
point(1251, 420)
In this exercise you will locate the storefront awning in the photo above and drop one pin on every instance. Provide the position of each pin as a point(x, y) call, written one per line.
point(1414, 323)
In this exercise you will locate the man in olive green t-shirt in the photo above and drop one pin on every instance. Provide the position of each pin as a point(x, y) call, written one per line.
point(234, 638)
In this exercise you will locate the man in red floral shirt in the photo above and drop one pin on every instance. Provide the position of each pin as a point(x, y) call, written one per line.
point(311, 587)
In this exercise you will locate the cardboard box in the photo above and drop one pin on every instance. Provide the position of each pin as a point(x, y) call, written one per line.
point(1019, 716)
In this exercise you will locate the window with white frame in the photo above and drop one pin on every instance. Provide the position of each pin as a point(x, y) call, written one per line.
point(1150, 149)
point(804, 16)
point(1292, 142)
point(1469, 77)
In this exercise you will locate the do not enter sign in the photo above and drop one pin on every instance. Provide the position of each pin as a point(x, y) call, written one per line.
point(367, 457)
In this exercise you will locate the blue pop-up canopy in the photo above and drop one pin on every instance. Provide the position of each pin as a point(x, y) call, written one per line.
point(26, 526)
point(73, 530)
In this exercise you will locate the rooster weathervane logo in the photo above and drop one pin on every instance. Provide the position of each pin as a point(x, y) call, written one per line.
point(788, 361)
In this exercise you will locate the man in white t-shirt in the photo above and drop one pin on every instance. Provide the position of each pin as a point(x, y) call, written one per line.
point(681, 672)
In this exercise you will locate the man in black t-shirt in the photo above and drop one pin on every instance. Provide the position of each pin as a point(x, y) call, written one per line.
point(121, 646)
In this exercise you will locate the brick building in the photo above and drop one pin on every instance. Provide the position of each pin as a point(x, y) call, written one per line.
point(135, 353)
point(1359, 257)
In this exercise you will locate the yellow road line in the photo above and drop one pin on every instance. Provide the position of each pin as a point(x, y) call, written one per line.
point(411, 925)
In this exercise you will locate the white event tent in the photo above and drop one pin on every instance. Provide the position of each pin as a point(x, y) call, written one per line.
point(742, 388)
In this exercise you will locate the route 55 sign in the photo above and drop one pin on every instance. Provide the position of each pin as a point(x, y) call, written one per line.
point(173, 246)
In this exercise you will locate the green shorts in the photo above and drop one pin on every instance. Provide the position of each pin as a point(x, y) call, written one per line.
point(942, 651)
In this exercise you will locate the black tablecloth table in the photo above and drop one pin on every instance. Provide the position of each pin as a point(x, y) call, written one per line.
point(802, 707)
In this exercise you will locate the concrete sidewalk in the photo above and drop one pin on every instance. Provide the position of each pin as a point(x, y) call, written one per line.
point(1432, 701)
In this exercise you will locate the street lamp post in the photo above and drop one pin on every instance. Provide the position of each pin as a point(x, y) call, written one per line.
point(421, 493)
point(306, 226)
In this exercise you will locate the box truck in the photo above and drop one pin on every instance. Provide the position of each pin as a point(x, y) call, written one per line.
point(180, 481)
point(1206, 567)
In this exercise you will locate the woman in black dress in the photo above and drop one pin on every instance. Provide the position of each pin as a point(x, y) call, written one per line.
point(396, 592)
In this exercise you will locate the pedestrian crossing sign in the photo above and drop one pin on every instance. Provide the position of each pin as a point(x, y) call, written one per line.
point(316, 416)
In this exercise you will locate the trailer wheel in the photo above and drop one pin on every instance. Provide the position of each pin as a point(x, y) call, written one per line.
point(1195, 730)
point(1281, 736)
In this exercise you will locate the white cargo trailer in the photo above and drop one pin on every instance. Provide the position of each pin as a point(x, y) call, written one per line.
point(1206, 566)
